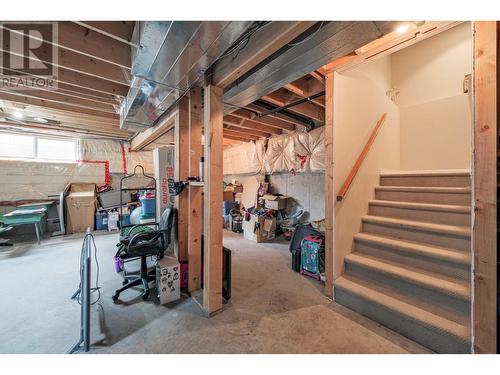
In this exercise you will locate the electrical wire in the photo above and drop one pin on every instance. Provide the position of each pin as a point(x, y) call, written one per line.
point(309, 37)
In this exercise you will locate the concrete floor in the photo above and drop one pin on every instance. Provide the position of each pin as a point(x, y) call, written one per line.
point(272, 310)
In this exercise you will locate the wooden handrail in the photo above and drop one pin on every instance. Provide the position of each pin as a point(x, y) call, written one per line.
point(347, 183)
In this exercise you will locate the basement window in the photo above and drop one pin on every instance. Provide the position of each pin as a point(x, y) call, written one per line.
point(15, 146)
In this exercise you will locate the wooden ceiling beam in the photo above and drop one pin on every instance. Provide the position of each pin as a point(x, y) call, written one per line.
point(262, 44)
point(60, 97)
point(92, 83)
point(281, 97)
point(65, 128)
point(304, 88)
point(266, 121)
point(238, 137)
point(20, 98)
point(119, 30)
point(75, 38)
point(97, 85)
point(239, 134)
point(61, 116)
point(277, 115)
point(318, 75)
point(151, 134)
point(241, 130)
point(250, 124)
point(69, 60)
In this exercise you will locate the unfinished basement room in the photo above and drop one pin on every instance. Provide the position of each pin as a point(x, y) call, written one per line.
point(248, 187)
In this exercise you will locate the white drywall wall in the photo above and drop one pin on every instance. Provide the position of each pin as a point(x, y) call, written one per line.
point(435, 113)
point(359, 101)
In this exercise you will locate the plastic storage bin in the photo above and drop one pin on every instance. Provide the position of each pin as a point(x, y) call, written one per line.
point(101, 220)
point(148, 206)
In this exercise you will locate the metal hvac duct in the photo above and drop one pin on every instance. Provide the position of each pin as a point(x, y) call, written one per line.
point(171, 57)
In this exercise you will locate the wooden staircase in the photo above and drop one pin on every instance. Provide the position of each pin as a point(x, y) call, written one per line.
point(410, 268)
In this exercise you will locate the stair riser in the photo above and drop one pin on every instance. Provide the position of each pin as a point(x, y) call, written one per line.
point(432, 238)
point(428, 336)
point(450, 181)
point(448, 306)
point(430, 216)
point(424, 197)
point(418, 261)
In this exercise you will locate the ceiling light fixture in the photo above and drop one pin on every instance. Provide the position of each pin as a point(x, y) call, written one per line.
point(401, 29)
point(18, 115)
point(40, 119)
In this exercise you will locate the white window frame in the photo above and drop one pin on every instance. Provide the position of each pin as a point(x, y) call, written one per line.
point(35, 150)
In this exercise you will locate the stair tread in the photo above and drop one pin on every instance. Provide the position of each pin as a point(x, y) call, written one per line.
point(349, 284)
point(455, 288)
point(422, 206)
point(442, 253)
point(431, 173)
point(426, 189)
point(419, 225)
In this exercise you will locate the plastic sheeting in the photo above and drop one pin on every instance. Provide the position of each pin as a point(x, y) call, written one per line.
point(246, 158)
point(105, 150)
point(24, 179)
point(30, 179)
point(293, 152)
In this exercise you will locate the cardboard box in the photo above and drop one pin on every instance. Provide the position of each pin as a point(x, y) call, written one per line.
point(275, 202)
point(80, 208)
point(168, 279)
point(228, 196)
point(259, 228)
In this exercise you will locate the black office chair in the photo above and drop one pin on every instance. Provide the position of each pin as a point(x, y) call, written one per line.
point(140, 244)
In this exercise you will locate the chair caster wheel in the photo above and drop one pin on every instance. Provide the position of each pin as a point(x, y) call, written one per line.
point(115, 297)
point(145, 296)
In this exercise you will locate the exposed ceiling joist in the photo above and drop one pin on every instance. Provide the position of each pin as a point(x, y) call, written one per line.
point(75, 38)
point(282, 97)
point(266, 121)
point(282, 118)
point(250, 124)
point(91, 83)
point(60, 115)
point(19, 97)
point(242, 130)
point(238, 136)
point(262, 44)
point(305, 88)
point(68, 60)
point(332, 40)
point(116, 134)
point(63, 98)
point(119, 30)
point(318, 76)
point(150, 135)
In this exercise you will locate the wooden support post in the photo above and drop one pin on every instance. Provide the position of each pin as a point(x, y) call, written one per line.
point(181, 174)
point(329, 187)
point(212, 224)
point(484, 185)
point(195, 192)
